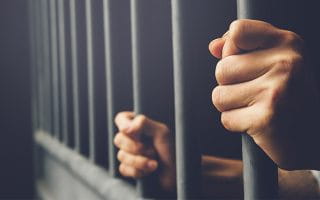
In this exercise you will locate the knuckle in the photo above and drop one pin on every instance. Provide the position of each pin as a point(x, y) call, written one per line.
point(120, 156)
point(117, 140)
point(217, 98)
point(238, 26)
point(123, 170)
point(142, 119)
point(289, 63)
point(293, 38)
point(224, 70)
point(225, 120)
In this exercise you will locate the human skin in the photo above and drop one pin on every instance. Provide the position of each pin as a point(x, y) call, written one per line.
point(221, 177)
point(265, 89)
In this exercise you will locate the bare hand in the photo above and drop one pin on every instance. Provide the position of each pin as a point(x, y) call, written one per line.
point(265, 90)
point(139, 159)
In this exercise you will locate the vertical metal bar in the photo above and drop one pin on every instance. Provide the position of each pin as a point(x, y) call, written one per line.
point(75, 80)
point(96, 83)
point(118, 68)
point(152, 69)
point(54, 68)
point(63, 71)
point(260, 174)
point(90, 81)
point(187, 149)
point(79, 75)
point(46, 64)
point(42, 121)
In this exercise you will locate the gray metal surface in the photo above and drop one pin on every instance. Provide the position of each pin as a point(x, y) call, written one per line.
point(90, 65)
point(45, 67)
point(63, 165)
point(118, 68)
point(75, 72)
point(54, 69)
point(79, 75)
point(152, 70)
point(63, 71)
point(260, 174)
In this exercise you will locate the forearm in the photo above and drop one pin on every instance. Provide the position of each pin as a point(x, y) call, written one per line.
point(300, 184)
point(221, 178)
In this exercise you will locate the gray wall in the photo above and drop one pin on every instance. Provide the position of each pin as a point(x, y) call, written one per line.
point(15, 121)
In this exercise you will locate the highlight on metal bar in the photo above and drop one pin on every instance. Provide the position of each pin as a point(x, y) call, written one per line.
point(91, 94)
point(118, 68)
point(63, 71)
point(260, 174)
point(186, 75)
point(150, 28)
point(96, 83)
point(79, 75)
point(46, 65)
point(54, 69)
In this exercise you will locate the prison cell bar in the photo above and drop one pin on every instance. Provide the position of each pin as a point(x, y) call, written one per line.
point(143, 185)
point(79, 75)
point(39, 65)
point(90, 65)
point(151, 54)
point(96, 82)
point(187, 147)
point(118, 68)
point(46, 64)
point(62, 70)
point(54, 69)
point(75, 80)
point(260, 176)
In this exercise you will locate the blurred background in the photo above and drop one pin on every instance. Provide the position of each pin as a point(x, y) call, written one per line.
point(16, 171)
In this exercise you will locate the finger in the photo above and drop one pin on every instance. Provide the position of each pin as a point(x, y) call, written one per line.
point(245, 67)
point(142, 163)
point(246, 35)
point(123, 120)
point(142, 124)
point(247, 119)
point(216, 46)
point(128, 144)
point(129, 171)
point(228, 97)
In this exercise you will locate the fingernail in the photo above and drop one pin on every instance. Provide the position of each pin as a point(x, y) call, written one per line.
point(152, 164)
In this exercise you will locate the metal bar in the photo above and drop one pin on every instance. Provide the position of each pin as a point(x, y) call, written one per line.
point(188, 159)
point(260, 174)
point(152, 57)
point(39, 67)
point(54, 69)
point(90, 81)
point(96, 83)
point(118, 68)
point(193, 24)
point(63, 71)
point(79, 75)
point(75, 80)
point(46, 65)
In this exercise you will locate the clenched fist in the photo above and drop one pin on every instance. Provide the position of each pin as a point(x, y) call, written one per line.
point(265, 89)
point(138, 158)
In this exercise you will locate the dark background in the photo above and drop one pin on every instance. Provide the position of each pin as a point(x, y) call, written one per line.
point(16, 169)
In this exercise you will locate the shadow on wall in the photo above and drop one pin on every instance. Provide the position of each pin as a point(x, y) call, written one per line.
point(16, 171)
